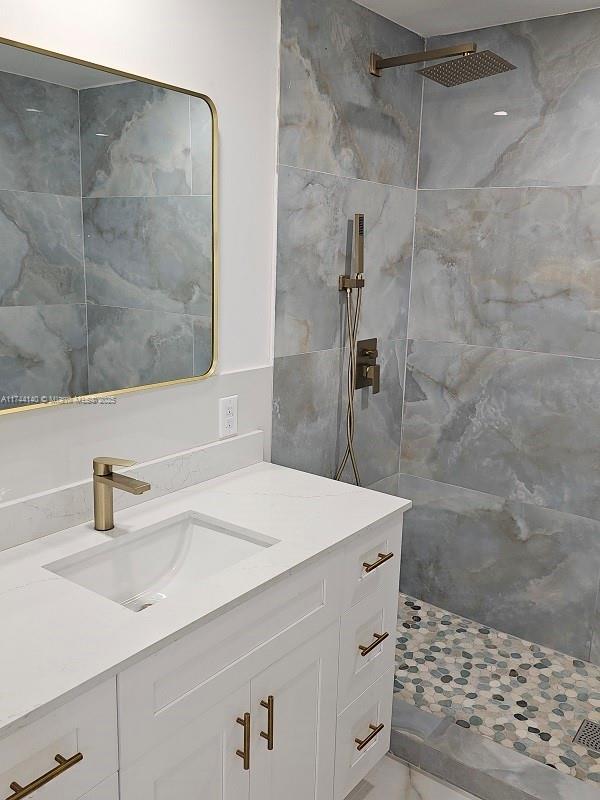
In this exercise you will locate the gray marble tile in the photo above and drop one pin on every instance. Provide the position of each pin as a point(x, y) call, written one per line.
point(595, 648)
point(407, 718)
point(335, 117)
point(307, 407)
point(489, 770)
point(549, 136)
point(39, 136)
point(133, 347)
point(42, 353)
point(203, 344)
point(202, 146)
point(378, 419)
point(516, 424)
point(149, 252)
point(387, 485)
point(314, 248)
point(515, 567)
point(508, 267)
point(42, 247)
point(144, 149)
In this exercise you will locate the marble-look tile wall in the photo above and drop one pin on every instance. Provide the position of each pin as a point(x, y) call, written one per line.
point(147, 216)
point(501, 429)
point(42, 283)
point(132, 268)
point(348, 144)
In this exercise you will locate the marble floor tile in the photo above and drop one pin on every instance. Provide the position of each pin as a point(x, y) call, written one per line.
point(515, 424)
point(149, 252)
point(316, 213)
point(335, 117)
point(307, 407)
point(43, 353)
point(508, 268)
point(145, 149)
point(39, 136)
point(516, 567)
point(133, 347)
point(42, 249)
point(550, 132)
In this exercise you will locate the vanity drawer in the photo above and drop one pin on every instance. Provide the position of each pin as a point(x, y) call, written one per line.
point(171, 688)
point(367, 720)
point(362, 659)
point(373, 561)
point(86, 726)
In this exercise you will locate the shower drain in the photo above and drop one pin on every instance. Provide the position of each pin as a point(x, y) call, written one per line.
point(588, 735)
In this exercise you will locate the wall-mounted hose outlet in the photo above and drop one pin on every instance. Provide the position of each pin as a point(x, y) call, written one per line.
point(348, 282)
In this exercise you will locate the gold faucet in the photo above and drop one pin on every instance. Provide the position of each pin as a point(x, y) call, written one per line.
point(105, 480)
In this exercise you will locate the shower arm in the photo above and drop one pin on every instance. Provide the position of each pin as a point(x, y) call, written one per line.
point(378, 64)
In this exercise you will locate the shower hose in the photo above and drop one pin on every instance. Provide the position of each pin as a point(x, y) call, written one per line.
point(352, 322)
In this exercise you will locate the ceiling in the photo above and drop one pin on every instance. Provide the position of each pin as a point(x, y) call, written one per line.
point(432, 17)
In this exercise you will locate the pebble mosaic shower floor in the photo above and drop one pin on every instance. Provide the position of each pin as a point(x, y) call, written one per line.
point(519, 694)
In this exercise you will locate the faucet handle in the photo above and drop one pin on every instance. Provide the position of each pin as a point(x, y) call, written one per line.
point(103, 464)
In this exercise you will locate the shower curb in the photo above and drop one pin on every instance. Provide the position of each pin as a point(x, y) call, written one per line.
point(475, 763)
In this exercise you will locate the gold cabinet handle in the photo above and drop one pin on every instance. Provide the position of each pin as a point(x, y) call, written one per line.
point(269, 704)
point(245, 753)
point(375, 730)
point(378, 639)
point(63, 765)
point(383, 557)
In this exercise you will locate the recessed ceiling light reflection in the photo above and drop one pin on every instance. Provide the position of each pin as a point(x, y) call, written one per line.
point(34, 110)
point(102, 134)
point(501, 113)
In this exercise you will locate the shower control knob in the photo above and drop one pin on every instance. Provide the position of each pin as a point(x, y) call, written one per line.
point(368, 371)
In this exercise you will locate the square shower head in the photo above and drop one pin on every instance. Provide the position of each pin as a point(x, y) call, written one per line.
point(471, 67)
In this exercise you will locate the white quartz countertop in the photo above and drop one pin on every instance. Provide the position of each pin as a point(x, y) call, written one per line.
point(59, 639)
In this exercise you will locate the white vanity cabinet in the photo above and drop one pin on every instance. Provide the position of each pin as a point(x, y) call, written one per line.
point(306, 666)
point(82, 733)
point(286, 695)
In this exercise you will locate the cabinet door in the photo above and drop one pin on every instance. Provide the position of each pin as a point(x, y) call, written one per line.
point(200, 760)
point(107, 790)
point(303, 688)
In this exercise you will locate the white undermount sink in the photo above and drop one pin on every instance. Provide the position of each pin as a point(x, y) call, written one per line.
point(139, 569)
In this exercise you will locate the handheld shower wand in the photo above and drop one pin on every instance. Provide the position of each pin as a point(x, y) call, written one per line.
point(348, 284)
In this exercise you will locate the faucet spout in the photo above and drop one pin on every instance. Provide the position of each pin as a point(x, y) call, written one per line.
point(124, 482)
point(105, 480)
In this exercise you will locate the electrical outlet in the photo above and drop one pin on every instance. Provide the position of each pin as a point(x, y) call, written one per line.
point(228, 416)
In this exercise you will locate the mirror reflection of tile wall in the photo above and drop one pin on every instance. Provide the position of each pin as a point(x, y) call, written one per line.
point(106, 232)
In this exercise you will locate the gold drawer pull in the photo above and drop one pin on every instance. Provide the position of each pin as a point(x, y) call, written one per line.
point(375, 730)
point(383, 557)
point(379, 638)
point(63, 765)
point(245, 753)
point(269, 704)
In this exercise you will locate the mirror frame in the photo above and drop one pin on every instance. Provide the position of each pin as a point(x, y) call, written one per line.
point(215, 234)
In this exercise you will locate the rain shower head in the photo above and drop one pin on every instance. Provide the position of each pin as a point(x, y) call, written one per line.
point(472, 67)
point(469, 66)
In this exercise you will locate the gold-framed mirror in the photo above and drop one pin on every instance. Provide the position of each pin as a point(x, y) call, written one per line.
point(108, 231)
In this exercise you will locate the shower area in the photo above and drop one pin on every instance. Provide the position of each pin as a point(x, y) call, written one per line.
point(481, 205)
